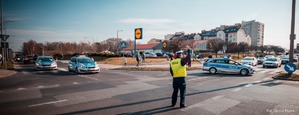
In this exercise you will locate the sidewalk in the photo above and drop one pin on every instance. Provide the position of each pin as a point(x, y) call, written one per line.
point(5, 73)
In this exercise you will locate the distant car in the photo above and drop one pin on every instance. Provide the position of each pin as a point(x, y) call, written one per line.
point(19, 58)
point(83, 64)
point(272, 62)
point(150, 54)
point(226, 65)
point(29, 59)
point(284, 60)
point(260, 60)
point(249, 61)
point(45, 62)
point(269, 56)
point(159, 54)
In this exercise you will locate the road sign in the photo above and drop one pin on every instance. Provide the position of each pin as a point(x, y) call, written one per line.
point(164, 44)
point(138, 33)
point(123, 44)
point(4, 37)
point(290, 67)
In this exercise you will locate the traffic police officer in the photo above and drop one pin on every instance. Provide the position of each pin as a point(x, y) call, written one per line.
point(179, 72)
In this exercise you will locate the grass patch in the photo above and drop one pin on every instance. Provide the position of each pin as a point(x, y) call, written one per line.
point(130, 60)
point(9, 65)
point(286, 76)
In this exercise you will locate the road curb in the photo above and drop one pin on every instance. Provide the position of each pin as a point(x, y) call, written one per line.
point(6, 73)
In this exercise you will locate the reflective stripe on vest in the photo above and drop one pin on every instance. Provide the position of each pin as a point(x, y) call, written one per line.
point(177, 68)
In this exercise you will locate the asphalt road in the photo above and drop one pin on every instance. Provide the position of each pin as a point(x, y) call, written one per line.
point(31, 92)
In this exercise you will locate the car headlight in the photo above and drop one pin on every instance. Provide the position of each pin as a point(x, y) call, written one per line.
point(37, 64)
point(54, 64)
point(82, 65)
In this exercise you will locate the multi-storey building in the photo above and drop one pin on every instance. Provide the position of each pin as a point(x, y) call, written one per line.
point(234, 34)
point(255, 30)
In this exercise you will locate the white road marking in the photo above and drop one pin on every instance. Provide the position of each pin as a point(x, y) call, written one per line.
point(257, 81)
point(238, 89)
point(21, 88)
point(92, 78)
point(266, 78)
point(48, 86)
point(75, 83)
point(248, 85)
point(61, 69)
point(25, 72)
point(41, 86)
point(47, 103)
point(198, 78)
point(217, 97)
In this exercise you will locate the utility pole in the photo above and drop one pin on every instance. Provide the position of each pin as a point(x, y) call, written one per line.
point(292, 35)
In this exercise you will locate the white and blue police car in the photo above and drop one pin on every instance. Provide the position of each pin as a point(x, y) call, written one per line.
point(226, 65)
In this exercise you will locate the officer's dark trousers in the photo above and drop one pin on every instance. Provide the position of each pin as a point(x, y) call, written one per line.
point(179, 84)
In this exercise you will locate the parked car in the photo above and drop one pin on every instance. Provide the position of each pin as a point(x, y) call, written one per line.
point(159, 54)
point(284, 60)
point(260, 60)
point(272, 62)
point(249, 61)
point(269, 56)
point(226, 65)
point(150, 54)
point(29, 59)
point(83, 64)
point(45, 62)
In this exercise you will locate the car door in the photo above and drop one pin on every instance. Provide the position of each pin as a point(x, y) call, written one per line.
point(222, 65)
point(72, 64)
point(233, 66)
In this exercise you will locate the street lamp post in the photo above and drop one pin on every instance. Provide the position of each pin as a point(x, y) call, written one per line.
point(122, 48)
point(292, 35)
point(117, 36)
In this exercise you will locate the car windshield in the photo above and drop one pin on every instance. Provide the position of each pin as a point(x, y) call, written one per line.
point(45, 59)
point(261, 57)
point(271, 59)
point(85, 60)
point(29, 56)
point(247, 59)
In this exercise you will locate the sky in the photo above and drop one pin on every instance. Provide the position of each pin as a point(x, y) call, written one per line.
point(98, 20)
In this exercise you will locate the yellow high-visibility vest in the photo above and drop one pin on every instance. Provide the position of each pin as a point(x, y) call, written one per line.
point(177, 69)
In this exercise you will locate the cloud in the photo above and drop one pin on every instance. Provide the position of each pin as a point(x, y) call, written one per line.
point(155, 22)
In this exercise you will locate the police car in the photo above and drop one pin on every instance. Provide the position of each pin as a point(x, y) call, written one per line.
point(83, 64)
point(226, 65)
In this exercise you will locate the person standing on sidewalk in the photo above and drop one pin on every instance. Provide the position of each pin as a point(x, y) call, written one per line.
point(179, 72)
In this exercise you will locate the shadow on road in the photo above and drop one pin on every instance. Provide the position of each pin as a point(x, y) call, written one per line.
point(151, 111)
point(166, 108)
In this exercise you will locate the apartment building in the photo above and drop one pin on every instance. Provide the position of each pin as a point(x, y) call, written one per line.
point(255, 30)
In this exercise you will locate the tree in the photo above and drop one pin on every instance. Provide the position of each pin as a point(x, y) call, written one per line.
point(175, 44)
point(30, 47)
point(215, 45)
point(241, 47)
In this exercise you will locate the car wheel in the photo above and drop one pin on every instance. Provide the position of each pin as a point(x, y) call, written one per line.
point(77, 71)
point(213, 70)
point(263, 66)
point(244, 72)
point(68, 67)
